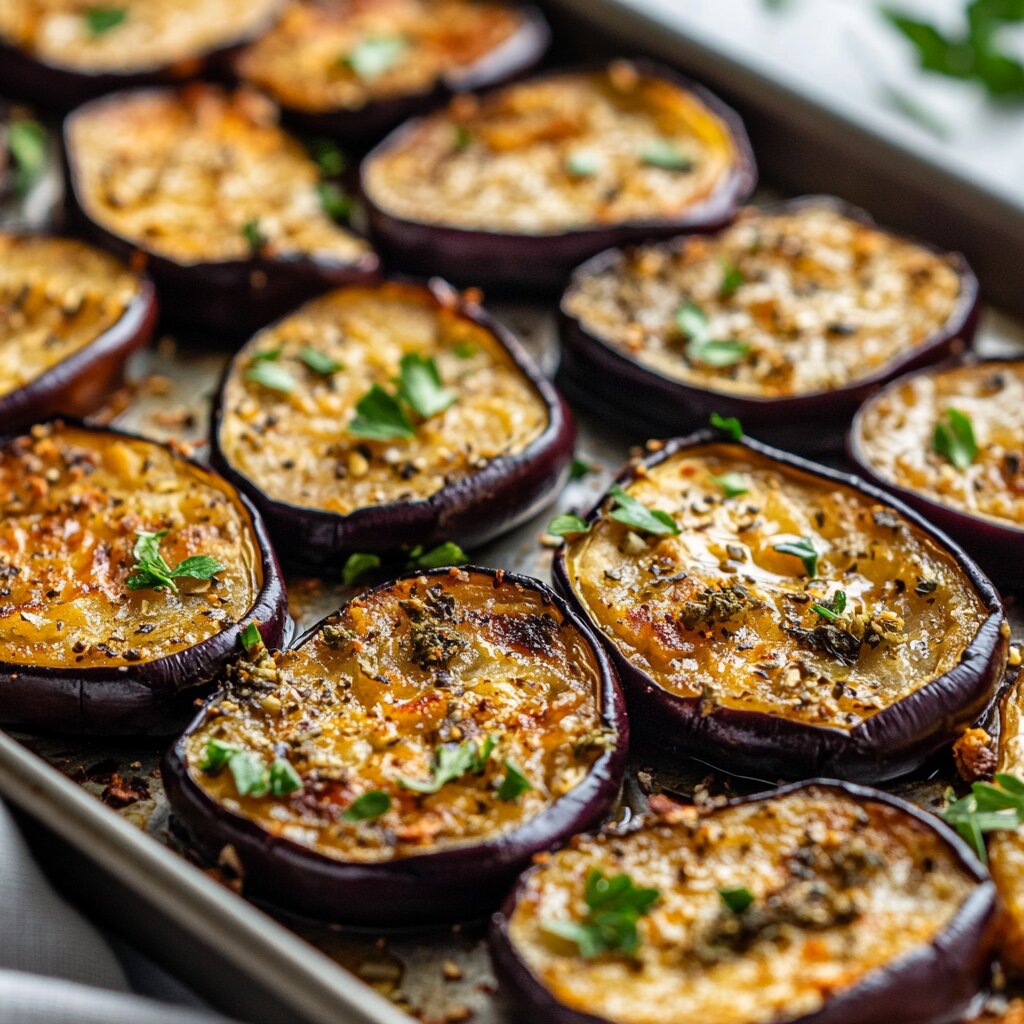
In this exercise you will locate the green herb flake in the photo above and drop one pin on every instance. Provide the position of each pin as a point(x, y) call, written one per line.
point(954, 439)
point(250, 773)
point(335, 201)
point(833, 609)
point(466, 350)
point(666, 155)
point(632, 513)
point(567, 524)
point(732, 279)
point(26, 141)
point(375, 55)
point(100, 20)
point(701, 347)
point(732, 484)
point(250, 638)
point(328, 156)
point(318, 362)
point(582, 163)
point(462, 137)
point(284, 779)
point(419, 385)
point(729, 425)
point(515, 783)
point(579, 469)
point(370, 805)
point(380, 417)
point(357, 565)
point(989, 807)
point(614, 906)
point(253, 236)
point(451, 762)
point(737, 900)
point(448, 553)
point(151, 572)
point(269, 374)
point(803, 549)
point(216, 755)
point(267, 355)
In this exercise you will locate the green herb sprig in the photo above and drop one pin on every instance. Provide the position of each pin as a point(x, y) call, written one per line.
point(100, 20)
point(451, 762)
point(666, 155)
point(833, 609)
point(515, 783)
point(729, 425)
point(26, 142)
point(448, 553)
point(382, 416)
point(804, 549)
point(732, 484)
point(369, 805)
point(635, 514)
point(251, 775)
point(701, 347)
point(567, 524)
point(987, 808)
point(954, 440)
point(151, 572)
point(737, 900)
point(357, 565)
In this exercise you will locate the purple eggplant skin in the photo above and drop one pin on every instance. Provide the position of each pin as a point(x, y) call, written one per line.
point(932, 984)
point(648, 403)
point(997, 547)
point(150, 697)
point(519, 54)
point(455, 884)
point(542, 263)
point(77, 385)
point(891, 743)
point(471, 511)
point(224, 299)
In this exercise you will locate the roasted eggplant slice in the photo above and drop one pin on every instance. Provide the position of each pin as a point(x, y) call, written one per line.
point(406, 759)
point(70, 315)
point(225, 205)
point(787, 318)
point(950, 442)
point(384, 416)
point(356, 68)
point(61, 52)
point(780, 618)
point(817, 904)
point(519, 185)
point(126, 575)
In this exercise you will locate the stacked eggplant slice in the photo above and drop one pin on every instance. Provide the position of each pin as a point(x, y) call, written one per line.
point(453, 742)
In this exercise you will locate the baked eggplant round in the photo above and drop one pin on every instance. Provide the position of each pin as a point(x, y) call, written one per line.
point(820, 903)
point(788, 319)
point(950, 442)
point(517, 186)
point(780, 618)
point(59, 54)
point(356, 69)
point(225, 205)
point(427, 740)
point(387, 416)
point(70, 316)
point(127, 572)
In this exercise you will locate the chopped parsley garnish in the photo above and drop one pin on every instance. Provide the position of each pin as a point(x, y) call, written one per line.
point(328, 156)
point(250, 638)
point(251, 775)
point(638, 516)
point(737, 900)
point(732, 484)
point(266, 371)
point(666, 155)
point(462, 137)
point(693, 324)
point(284, 779)
point(732, 278)
point(26, 141)
point(803, 549)
point(567, 524)
point(579, 469)
point(729, 426)
point(253, 235)
point(370, 805)
point(833, 609)
point(357, 565)
point(267, 355)
point(382, 416)
point(99, 20)
point(954, 439)
point(451, 762)
point(336, 202)
point(151, 572)
point(419, 385)
point(614, 905)
point(216, 755)
point(466, 350)
point(987, 808)
point(374, 55)
point(515, 783)
point(318, 362)
point(582, 163)
point(448, 553)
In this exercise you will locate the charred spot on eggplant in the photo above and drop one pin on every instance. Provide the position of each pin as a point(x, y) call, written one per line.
point(70, 315)
point(86, 642)
point(246, 239)
point(803, 656)
point(355, 68)
point(483, 755)
point(369, 456)
point(823, 871)
point(576, 159)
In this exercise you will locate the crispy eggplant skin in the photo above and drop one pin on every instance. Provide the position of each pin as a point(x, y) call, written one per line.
point(885, 745)
point(459, 881)
point(515, 56)
point(930, 983)
point(470, 511)
point(224, 299)
point(543, 262)
point(997, 545)
point(148, 697)
point(602, 377)
point(77, 385)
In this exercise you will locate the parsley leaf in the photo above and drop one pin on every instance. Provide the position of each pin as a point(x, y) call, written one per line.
point(732, 278)
point(666, 155)
point(729, 425)
point(579, 469)
point(99, 20)
point(253, 235)
point(732, 484)
point(954, 439)
point(567, 524)
point(987, 808)
point(833, 609)
point(371, 804)
point(26, 141)
point(382, 416)
point(251, 638)
point(357, 565)
point(379, 417)
point(250, 773)
point(803, 549)
point(419, 385)
point(451, 762)
point(465, 350)
point(614, 905)
point(448, 553)
point(318, 362)
point(151, 572)
point(462, 137)
point(582, 163)
point(336, 202)
point(284, 779)
point(266, 372)
point(328, 156)
point(216, 755)
point(737, 900)
point(515, 783)
point(701, 347)
point(631, 512)
point(374, 55)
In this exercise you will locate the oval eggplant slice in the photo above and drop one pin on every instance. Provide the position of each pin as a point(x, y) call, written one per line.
point(126, 575)
point(355, 69)
point(60, 53)
point(224, 204)
point(518, 186)
point(950, 442)
point(70, 315)
point(787, 319)
point(783, 619)
point(406, 759)
point(339, 457)
point(817, 904)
